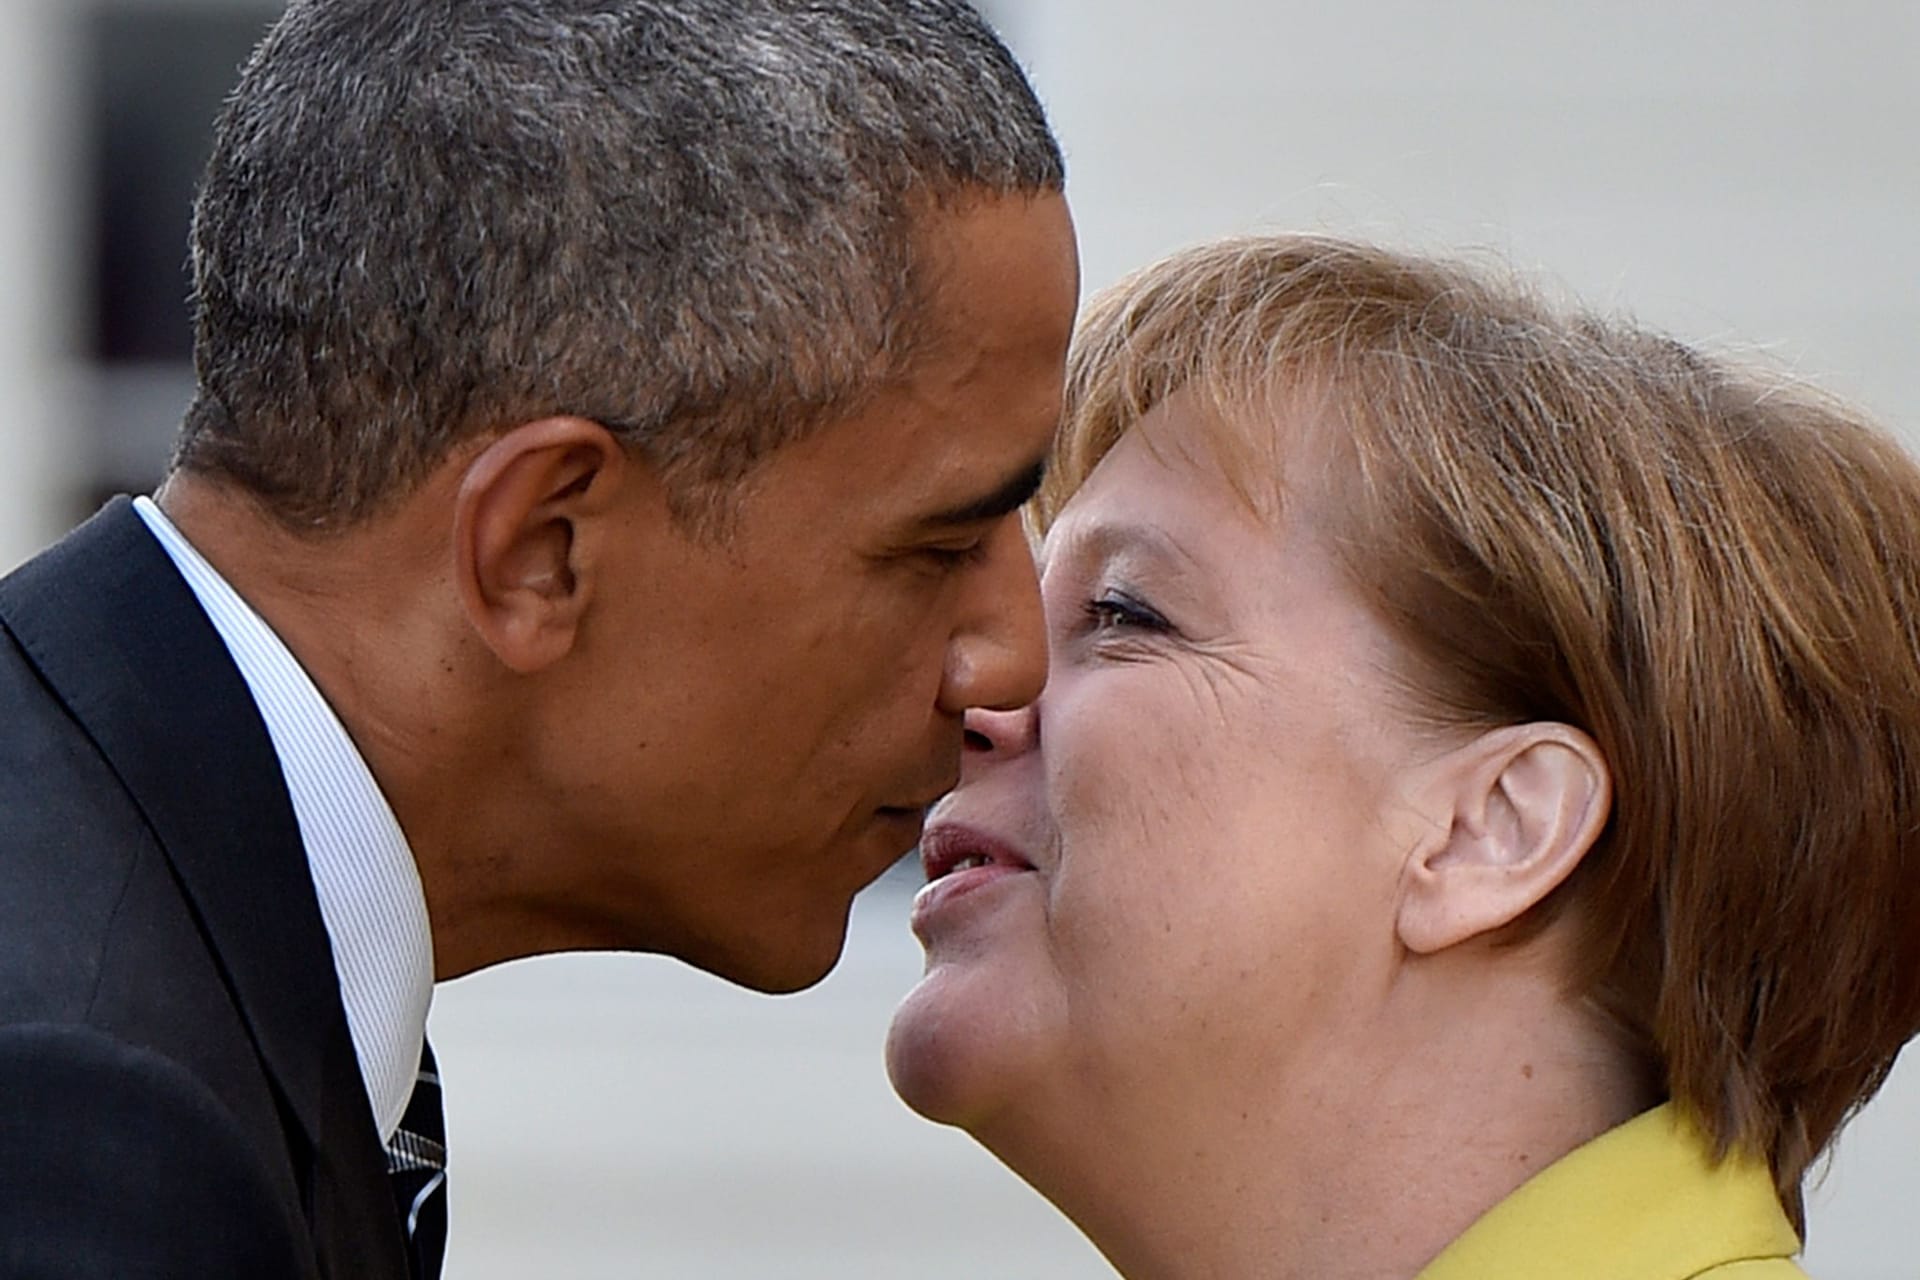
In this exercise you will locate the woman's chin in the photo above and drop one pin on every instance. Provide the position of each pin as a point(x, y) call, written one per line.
point(957, 1047)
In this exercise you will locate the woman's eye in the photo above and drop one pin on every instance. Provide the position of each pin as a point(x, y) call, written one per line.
point(1116, 612)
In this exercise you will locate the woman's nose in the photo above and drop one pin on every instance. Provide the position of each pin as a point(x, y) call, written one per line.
point(999, 734)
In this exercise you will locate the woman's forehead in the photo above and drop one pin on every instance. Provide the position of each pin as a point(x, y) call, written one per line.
point(1176, 471)
point(1267, 449)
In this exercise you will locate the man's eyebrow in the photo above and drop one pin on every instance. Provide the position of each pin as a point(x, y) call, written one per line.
point(1009, 497)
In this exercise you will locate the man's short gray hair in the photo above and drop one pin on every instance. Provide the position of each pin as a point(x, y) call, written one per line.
point(692, 220)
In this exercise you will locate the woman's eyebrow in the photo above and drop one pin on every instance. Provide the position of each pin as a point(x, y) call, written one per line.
point(1147, 545)
point(1007, 498)
point(1108, 541)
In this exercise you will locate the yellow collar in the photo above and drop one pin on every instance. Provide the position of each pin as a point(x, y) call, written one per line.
point(1644, 1200)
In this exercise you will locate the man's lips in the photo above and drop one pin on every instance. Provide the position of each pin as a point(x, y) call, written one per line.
point(918, 809)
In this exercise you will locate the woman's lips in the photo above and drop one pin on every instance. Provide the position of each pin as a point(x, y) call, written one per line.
point(959, 860)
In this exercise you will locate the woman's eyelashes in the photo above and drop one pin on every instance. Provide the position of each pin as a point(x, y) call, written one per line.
point(1116, 612)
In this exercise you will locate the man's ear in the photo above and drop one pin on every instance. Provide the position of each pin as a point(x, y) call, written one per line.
point(1526, 802)
point(526, 518)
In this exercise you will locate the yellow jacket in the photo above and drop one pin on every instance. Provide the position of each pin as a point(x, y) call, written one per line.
point(1640, 1202)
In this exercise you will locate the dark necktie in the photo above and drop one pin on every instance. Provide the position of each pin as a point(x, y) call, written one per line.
point(417, 1163)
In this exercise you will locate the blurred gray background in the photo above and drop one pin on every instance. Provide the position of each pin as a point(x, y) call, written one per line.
point(1743, 172)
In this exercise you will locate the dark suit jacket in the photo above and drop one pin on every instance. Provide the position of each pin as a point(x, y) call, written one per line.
point(179, 1095)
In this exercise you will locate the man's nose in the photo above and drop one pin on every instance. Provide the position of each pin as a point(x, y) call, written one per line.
point(997, 657)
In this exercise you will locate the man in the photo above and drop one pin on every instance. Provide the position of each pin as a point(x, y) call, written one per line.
point(597, 510)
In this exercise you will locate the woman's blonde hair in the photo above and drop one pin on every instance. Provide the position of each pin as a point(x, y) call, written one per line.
point(1714, 573)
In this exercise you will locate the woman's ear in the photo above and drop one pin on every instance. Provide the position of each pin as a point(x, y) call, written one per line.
point(1518, 807)
point(527, 516)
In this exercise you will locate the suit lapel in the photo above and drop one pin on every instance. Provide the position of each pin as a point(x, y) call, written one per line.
point(120, 638)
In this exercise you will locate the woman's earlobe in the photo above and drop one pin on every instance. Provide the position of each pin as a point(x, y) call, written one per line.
point(1524, 804)
point(526, 519)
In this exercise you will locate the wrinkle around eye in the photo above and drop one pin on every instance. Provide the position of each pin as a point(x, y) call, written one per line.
point(1219, 674)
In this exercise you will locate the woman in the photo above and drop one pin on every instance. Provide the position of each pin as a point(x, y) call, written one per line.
point(1470, 827)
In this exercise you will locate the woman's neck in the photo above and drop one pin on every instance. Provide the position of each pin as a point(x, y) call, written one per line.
point(1370, 1155)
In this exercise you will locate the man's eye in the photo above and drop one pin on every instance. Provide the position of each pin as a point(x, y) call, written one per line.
point(1118, 612)
point(956, 555)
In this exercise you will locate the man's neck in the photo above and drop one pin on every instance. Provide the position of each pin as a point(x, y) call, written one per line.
point(370, 615)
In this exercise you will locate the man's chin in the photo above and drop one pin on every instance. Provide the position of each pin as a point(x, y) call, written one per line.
point(776, 967)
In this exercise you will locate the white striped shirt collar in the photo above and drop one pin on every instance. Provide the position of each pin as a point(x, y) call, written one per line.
point(363, 872)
